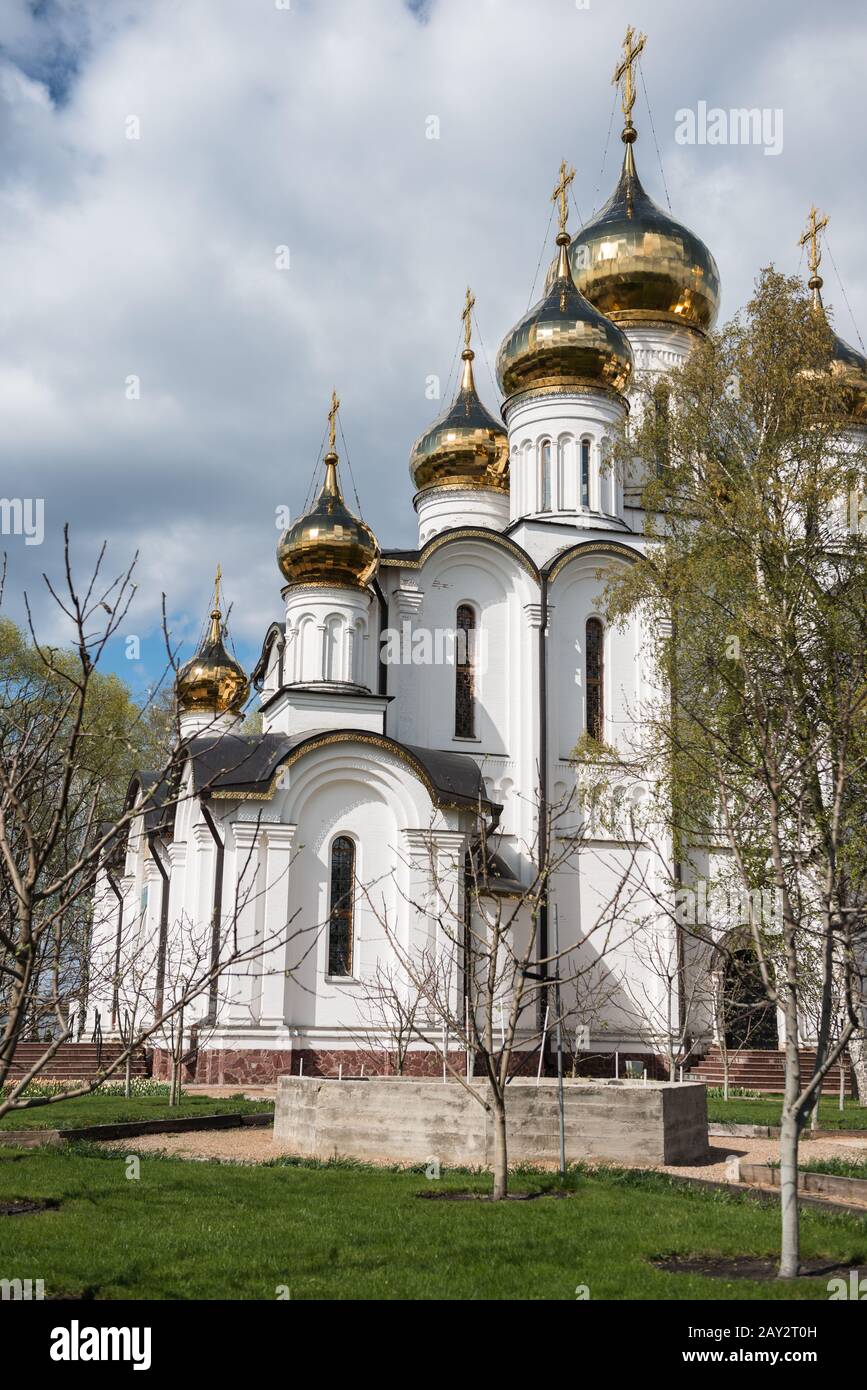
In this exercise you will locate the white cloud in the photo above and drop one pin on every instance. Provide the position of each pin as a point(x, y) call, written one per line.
point(262, 127)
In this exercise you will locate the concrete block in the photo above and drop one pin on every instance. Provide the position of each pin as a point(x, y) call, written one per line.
point(412, 1120)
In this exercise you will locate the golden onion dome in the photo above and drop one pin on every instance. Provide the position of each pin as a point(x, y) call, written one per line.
point(328, 546)
point(848, 367)
point(564, 343)
point(465, 446)
point(212, 681)
point(637, 265)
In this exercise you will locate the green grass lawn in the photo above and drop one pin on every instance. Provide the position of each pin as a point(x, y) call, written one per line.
point(114, 1110)
point(766, 1111)
point(207, 1230)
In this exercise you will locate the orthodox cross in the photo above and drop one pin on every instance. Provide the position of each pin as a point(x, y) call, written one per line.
point(815, 225)
point(332, 418)
point(623, 71)
point(566, 177)
point(467, 316)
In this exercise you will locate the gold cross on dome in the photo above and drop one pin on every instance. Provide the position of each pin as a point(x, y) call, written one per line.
point(332, 419)
point(467, 316)
point(566, 177)
point(623, 71)
point(217, 581)
point(816, 224)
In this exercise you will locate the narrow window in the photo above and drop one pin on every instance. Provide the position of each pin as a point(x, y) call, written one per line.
point(594, 678)
point(546, 476)
point(465, 682)
point(585, 474)
point(340, 916)
point(331, 638)
point(661, 413)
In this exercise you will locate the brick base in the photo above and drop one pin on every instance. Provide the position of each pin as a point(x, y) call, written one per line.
point(602, 1064)
point(262, 1066)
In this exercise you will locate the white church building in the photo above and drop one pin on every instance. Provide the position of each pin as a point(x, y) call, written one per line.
point(408, 696)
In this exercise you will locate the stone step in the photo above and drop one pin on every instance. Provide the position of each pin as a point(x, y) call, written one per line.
point(764, 1070)
point(75, 1061)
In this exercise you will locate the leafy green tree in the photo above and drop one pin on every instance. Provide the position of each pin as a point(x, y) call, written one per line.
point(754, 593)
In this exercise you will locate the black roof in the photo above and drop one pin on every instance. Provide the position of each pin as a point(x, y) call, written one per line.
point(245, 764)
point(156, 790)
point(276, 629)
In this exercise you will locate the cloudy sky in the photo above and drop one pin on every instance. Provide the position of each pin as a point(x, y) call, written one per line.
point(155, 155)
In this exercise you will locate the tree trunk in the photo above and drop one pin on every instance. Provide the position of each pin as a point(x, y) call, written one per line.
point(790, 1133)
point(126, 1038)
point(858, 1058)
point(501, 1157)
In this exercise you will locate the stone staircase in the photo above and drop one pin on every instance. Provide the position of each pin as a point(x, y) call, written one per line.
point(75, 1061)
point(763, 1070)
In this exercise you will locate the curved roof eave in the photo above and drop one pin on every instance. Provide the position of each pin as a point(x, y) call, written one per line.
point(249, 768)
point(415, 559)
point(612, 549)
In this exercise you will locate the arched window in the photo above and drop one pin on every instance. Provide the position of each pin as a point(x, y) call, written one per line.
point(341, 906)
point(545, 476)
point(585, 474)
point(331, 639)
point(661, 426)
point(465, 676)
point(307, 659)
point(594, 674)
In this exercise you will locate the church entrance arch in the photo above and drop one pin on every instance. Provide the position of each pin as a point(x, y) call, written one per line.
point(749, 1020)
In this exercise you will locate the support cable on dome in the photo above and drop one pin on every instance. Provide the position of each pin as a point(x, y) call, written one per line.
point(447, 393)
point(349, 466)
point(541, 254)
point(843, 292)
point(484, 353)
point(653, 132)
point(604, 154)
point(311, 486)
point(576, 207)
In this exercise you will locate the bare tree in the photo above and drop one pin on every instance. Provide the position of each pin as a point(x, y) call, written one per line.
point(389, 1005)
point(666, 996)
point(59, 825)
point(487, 990)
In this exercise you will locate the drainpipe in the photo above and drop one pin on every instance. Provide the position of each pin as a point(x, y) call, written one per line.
point(677, 865)
point(542, 948)
point(382, 673)
point(115, 992)
point(215, 912)
point(164, 924)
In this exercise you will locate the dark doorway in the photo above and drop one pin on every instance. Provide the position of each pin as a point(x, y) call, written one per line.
point(750, 1021)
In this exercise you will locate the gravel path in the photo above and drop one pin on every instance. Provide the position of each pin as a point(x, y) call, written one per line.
point(246, 1145)
point(765, 1151)
point(257, 1146)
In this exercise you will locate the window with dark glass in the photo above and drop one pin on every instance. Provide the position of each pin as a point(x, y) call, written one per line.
point(465, 682)
point(585, 473)
point(661, 411)
point(546, 476)
point(594, 677)
point(341, 907)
